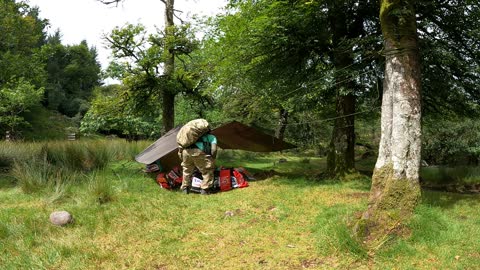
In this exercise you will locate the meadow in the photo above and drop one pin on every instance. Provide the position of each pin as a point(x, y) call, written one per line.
point(289, 218)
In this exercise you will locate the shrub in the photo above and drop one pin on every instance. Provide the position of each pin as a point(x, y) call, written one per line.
point(451, 142)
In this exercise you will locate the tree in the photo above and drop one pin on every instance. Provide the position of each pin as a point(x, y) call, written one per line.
point(73, 73)
point(395, 183)
point(110, 114)
point(163, 84)
point(22, 73)
point(296, 56)
point(15, 99)
point(168, 94)
point(346, 20)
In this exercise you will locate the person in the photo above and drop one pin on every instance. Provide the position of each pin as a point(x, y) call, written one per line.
point(201, 155)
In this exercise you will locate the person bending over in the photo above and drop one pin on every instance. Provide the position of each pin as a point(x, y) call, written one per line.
point(202, 155)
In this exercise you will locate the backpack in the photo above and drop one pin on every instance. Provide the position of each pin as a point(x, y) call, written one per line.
point(191, 132)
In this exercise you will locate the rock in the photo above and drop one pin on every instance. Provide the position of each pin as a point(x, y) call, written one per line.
point(61, 218)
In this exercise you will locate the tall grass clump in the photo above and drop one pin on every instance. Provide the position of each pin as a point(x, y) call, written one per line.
point(124, 150)
point(77, 156)
point(10, 152)
point(37, 175)
point(101, 188)
point(99, 154)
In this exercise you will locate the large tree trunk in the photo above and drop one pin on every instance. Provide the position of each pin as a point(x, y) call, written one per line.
point(395, 183)
point(341, 154)
point(168, 96)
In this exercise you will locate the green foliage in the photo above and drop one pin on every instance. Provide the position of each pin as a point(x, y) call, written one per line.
point(73, 73)
point(110, 113)
point(137, 57)
point(22, 34)
point(449, 40)
point(21, 66)
point(15, 99)
point(452, 142)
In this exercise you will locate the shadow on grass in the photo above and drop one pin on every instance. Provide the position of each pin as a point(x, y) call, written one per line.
point(448, 199)
point(7, 182)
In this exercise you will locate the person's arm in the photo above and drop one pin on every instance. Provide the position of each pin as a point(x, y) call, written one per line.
point(214, 150)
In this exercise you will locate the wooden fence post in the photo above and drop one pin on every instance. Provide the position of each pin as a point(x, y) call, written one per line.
point(72, 136)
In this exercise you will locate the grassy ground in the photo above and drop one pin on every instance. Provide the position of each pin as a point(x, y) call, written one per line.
point(290, 220)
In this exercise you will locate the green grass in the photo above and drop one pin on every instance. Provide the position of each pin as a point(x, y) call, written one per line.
point(290, 220)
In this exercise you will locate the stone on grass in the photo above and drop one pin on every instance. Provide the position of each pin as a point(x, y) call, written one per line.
point(61, 218)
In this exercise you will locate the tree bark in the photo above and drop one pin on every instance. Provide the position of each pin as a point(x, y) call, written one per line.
point(168, 94)
point(395, 187)
point(341, 153)
point(341, 156)
point(282, 124)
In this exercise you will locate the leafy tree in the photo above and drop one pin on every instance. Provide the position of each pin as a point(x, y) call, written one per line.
point(15, 99)
point(73, 72)
point(449, 33)
point(21, 64)
point(22, 34)
point(110, 114)
point(154, 65)
point(296, 56)
point(453, 141)
point(279, 53)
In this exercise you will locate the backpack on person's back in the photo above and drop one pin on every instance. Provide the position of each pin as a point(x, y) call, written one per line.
point(191, 132)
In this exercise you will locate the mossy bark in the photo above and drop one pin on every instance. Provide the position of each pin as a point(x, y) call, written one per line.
point(391, 203)
point(395, 183)
point(168, 95)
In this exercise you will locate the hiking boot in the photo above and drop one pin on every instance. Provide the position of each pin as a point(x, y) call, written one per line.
point(185, 191)
point(204, 192)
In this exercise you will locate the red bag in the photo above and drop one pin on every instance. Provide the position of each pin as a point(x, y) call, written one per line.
point(225, 180)
point(162, 181)
point(245, 173)
point(175, 177)
point(240, 179)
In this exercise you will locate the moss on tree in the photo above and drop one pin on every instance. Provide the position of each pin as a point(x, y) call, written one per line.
point(391, 203)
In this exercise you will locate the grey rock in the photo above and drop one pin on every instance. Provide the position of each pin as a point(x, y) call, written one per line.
point(61, 218)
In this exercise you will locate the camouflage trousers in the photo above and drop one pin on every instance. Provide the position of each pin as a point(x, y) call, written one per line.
point(192, 158)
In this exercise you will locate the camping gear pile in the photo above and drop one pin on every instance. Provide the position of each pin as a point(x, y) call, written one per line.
point(225, 179)
point(233, 135)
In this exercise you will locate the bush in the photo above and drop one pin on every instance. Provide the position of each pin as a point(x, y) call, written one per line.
point(451, 142)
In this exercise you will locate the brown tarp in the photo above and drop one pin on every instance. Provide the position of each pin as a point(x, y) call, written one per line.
point(233, 135)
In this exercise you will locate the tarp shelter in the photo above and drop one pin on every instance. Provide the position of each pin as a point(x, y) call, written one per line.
point(233, 135)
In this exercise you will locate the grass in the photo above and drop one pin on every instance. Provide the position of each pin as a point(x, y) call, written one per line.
point(289, 220)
